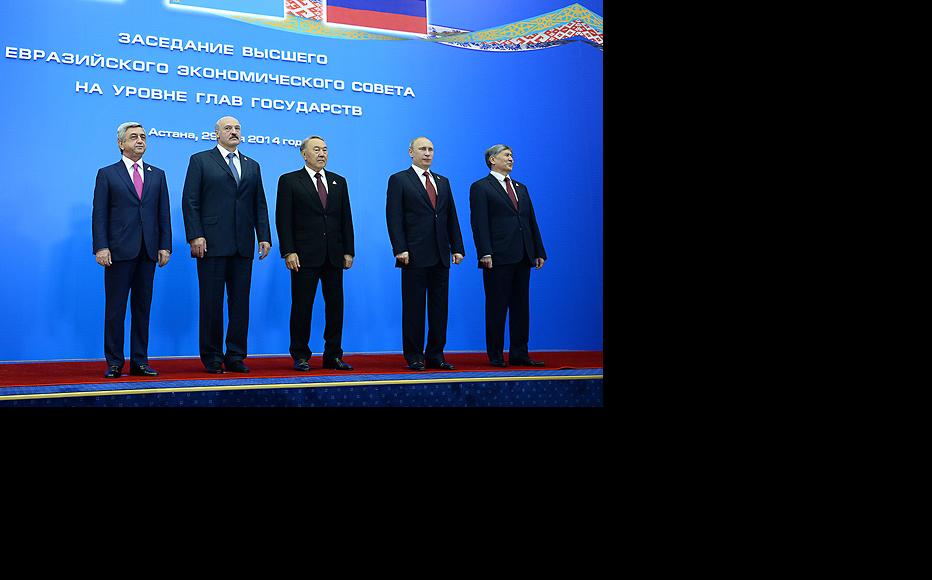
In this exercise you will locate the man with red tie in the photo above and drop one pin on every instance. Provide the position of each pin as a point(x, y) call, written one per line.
point(424, 231)
point(508, 243)
point(132, 231)
point(315, 230)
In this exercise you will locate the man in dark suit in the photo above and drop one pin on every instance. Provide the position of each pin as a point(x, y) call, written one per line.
point(424, 230)
point(132, 231)
point(508, 243)
point(315, 230)
point(224, 210)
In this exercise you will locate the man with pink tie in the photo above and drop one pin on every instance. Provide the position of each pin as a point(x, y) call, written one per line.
point(132, 231)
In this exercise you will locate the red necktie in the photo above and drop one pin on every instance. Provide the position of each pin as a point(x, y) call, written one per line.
point(321, 191)
point(511, 192)
point(431, 192)
point(137, 180)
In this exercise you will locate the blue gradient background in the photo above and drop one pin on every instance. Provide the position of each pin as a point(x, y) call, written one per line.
point(547, 105)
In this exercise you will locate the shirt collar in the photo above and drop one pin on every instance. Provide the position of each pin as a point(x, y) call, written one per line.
point(311, 172)
point(129, 164)
point(420, 172)
point(224, 152)
point(501, 177)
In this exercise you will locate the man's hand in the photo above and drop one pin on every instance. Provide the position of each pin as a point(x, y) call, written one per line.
point(486, 262)
point(292, 262)
point(539, 263)
point(164, 256)
point(403, 257)
point(103, 257)
point(347, 261)
point(198, 247)
point(457, 258)
point(264, 248)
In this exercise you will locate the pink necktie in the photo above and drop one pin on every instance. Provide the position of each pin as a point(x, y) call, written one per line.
point(137, 180)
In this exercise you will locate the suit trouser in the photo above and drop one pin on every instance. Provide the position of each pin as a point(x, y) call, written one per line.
point(419, 287)
point(119, 278)
point(507, 294)
point(214, 275)
point(303, 292)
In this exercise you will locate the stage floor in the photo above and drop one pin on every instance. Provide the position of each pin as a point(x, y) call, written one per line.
point(570, 378)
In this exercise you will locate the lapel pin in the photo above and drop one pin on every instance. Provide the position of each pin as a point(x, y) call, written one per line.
point(148, 168)
point(334, 183)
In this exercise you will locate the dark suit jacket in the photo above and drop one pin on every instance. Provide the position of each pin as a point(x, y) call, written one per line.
point(215, 208)
point(121, 221)
point(412, 226)
point(508, 235)
point(305, 228)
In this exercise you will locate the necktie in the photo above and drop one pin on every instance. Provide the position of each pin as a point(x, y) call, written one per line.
point(321, 191)
point(511, 192)
point(230, 156)
point(431, 192)
point(137, 180)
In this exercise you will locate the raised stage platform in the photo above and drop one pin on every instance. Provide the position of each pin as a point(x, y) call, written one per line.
point(569, 379)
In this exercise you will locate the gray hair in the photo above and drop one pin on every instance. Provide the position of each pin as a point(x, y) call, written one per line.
point(304, 143)
point(121, 130)
point(493, 151)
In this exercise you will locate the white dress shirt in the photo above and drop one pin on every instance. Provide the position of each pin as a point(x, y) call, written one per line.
point(129, 167)
point(323, 177)
point(236, 159)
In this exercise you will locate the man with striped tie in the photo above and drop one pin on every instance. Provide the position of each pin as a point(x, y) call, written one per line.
point(132, 231)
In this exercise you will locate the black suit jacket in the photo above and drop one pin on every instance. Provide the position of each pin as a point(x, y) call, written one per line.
point(305, 228)
point(412, 225)
point(121, 221)
point(508, 235)
point(230, 217)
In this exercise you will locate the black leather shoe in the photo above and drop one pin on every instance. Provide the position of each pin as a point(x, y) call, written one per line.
point(113, 372)
point(416, 366)
point(143, 371)
point(337, 364)
point(214, 368)
point(498, 363)
point(236, 366)
point(525, 362)
point(443, 365)
point(301, 365)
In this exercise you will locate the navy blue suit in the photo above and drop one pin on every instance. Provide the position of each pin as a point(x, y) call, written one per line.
point(229, 216)
point(429, 235)
point(134, 230)
point(512, 238)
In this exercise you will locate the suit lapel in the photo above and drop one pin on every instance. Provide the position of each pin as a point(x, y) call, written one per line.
point(216, 156)
point(245, 164)
point(120, 168)
point(147, 177)
point(419, 186)
point(497, 185)
point(310, 186)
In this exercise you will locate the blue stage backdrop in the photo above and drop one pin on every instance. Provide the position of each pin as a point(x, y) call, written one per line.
point(524, 73)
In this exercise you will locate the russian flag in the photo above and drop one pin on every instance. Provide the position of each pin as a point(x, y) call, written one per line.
point(394, 15)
